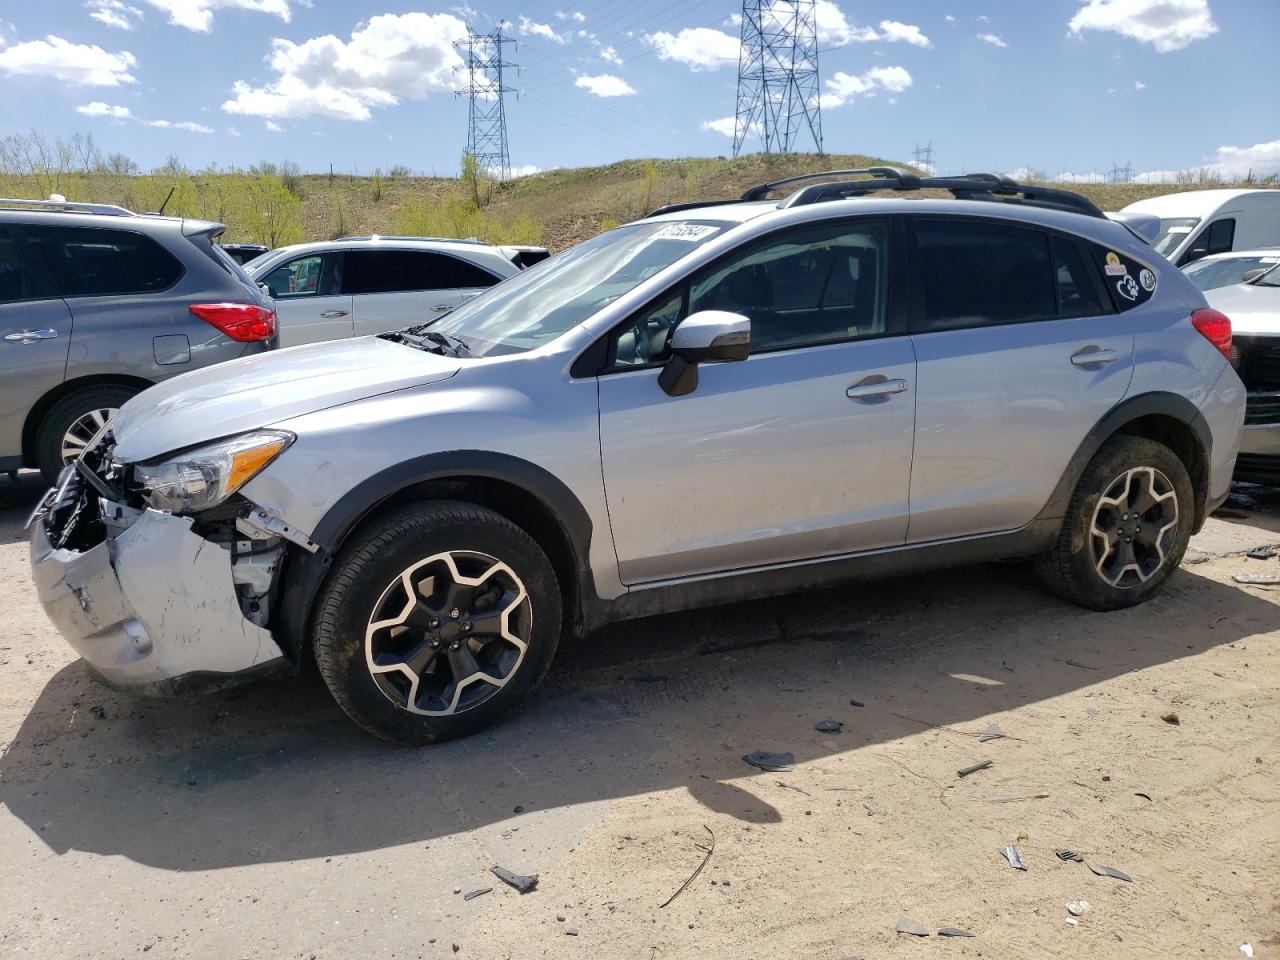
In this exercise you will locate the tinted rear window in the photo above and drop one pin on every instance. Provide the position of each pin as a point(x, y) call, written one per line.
point(390, 271)
point(93, 262)
point(1128, 282)
point(19, 280)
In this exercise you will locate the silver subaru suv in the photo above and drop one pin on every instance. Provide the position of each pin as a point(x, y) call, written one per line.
point(720, 401)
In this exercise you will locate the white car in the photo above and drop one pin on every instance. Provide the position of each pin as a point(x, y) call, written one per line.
point(1224, 269)
point(364, 285)
point(1199, 223)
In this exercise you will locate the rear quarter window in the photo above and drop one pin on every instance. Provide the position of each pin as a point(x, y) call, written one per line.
point(1129, 283)
point(96, 262)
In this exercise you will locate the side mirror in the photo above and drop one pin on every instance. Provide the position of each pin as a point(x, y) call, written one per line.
point(708, 336)
point(1195, 253)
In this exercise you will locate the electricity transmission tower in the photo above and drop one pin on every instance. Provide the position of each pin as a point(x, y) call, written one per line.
point(923, 157)
point(778, 75)
point(1119, 174)
point(486, 115)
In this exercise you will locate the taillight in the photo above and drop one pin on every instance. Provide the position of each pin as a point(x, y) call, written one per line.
point(1214, 327)
point(245, 322)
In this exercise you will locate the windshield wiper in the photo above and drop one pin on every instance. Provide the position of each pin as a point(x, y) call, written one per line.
point(429, 340)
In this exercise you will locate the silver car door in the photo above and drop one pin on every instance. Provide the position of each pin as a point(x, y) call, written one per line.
point(310, 304)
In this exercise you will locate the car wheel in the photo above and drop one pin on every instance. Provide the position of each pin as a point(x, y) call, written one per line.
point(1126, 529)
point(435, 621)
point(72, 422)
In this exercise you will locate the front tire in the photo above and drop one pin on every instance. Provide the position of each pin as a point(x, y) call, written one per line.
point(437, 620)
point(1126, 529)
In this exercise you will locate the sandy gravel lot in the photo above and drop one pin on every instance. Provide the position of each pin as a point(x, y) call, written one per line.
point(261, 823)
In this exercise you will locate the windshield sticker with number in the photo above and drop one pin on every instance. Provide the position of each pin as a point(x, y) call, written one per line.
point(685, 231)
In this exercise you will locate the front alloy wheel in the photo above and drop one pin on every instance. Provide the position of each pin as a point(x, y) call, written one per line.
point(448, 633)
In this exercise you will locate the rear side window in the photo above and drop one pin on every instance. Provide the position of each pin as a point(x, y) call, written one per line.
point(392, 271)
point(1077, 293)
point(974, 273)
point(91, 262)
point(1128, 282)
point(19, 279)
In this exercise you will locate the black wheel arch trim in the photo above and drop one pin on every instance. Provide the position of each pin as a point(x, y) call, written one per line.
point(305, 572)
point(1142, 405)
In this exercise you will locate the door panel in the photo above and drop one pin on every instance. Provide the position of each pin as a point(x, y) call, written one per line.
point(380, 312)
point(768, 460)
point(312, 319)
point(34, 339)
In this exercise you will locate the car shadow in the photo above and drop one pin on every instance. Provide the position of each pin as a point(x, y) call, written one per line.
point(1253, 505)
point(18, 497)
point(275, 772)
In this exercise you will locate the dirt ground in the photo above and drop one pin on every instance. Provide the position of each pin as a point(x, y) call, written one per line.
point(261, 823)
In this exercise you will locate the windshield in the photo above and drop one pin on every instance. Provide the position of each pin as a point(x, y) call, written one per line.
point(1211, 274)
point(1172, 232)
point(552, 297)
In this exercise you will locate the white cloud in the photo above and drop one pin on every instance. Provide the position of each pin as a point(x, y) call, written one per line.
point(523, 170)
point(531, 28)
point(893, 31)
point(575, 16)
point(698, 48)
point(388, 58)
point(198, 14)
point(1165, 24)
point(1139, 85)
point(834, 29)
point(1228, 163)
point(844, 87)
point(233, 132)
point(76, 63)
point(724, 125)
point(605, 85)
point(178, 125)
point(610, 55)
point(949, 18)
point(99, 109)
point(114, 13)
point(273, 126)
point(992, 39)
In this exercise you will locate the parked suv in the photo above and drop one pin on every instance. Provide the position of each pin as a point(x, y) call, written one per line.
point(717, 402)
point(96, 304)
point(360, 285)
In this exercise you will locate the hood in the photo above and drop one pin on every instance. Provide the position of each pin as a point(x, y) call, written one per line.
point(257, 391)
point(1252, 310)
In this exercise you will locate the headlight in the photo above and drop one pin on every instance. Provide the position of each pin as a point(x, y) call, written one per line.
point(205, 477)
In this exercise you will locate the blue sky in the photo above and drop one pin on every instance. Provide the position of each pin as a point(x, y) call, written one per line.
point(1064, 86)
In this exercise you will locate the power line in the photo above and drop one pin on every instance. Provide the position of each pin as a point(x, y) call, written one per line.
point(923, 156)
point(778, 74)
point(1119, 174)
point(486, 112)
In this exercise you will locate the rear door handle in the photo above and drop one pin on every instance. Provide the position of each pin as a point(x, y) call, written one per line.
point(877, 388)
point(334, 314)
point(29, 336)
point(1094, 357)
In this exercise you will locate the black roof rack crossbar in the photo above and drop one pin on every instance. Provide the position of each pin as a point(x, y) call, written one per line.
point(763, 190)
point(692, 205)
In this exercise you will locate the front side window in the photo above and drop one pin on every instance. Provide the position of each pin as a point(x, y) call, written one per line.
point(1173, 230)
point(974, 273)
point(1220, 236)
point(319, 275)
point(95, 262)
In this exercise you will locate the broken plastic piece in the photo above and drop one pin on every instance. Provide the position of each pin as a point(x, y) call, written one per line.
point(1261, 553)
point(1256, 578)
point(993, 732)
point(1078, 908)
point(955, 932)
point(828, 726)
point(1171, 718)
point(1110, 872)
point(521, 882)
point(1246, 949)
point(983, 765)
point(907, 925)
point(1071, 920)
point(477, 893)
point(773, 762)
point(1069, 855)
point(1017, 797)
point(1010, 853)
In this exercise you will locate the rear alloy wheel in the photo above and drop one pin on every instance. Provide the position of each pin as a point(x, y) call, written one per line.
point(1126, 529)
point(437, 619)
point(72, 422)
point(77, 437)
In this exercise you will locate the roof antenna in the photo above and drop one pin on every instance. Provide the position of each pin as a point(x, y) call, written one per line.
point(160, 212)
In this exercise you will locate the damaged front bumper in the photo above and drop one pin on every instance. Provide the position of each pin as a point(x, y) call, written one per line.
point(153, 606)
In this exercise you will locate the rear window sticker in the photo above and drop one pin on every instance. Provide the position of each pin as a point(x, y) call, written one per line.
point(1114, 267)
point(685, 231)
point(1147, 279)
point(1127, 288)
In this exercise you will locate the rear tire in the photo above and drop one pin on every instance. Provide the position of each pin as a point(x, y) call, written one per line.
point(1126, 529)
point(71, 423)
point(437, 620)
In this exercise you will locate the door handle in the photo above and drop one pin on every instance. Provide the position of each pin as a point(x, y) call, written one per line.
point(877, 388)
point(333, 314)
point(442, 307)
point(1094, 357)
point(30, 336)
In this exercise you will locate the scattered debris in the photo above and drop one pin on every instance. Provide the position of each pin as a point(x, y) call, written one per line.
point(522, 883)
point(99, 713)
point(992, 732)
point(955, 932)
point(1071, 920)
point(828, 726)
point(788, 786)
point(1018, 797)
point(694, 876)
point(1259, 579)
point(517, 809)
point(1144, 796)
point(1246, 949)
point(1171, 718)
point(1077, 663)
point(1078, 908)
point(1110, 872)
point(477, 893)
point(772, 762)
point(985, 764)
point(571, 931)
point(1261, 553)
point(1010, 853)
point(1069, 856)
point(856, 703)
point(1092, 712)
point(907, 925)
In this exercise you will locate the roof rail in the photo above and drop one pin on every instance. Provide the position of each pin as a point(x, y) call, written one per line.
point(67, 206)
point(388, 236)
point(762, 191)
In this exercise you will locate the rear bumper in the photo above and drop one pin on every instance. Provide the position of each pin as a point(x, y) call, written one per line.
point(152, 609)
point(1262, 439)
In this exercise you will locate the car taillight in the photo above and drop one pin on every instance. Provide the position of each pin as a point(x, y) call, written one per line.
point(1214, 327)
point(245, 322)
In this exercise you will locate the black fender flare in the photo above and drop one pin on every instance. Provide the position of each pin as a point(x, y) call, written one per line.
point(305, 572)
point(1142, 405)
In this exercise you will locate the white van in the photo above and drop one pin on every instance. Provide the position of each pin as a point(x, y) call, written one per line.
point(1200, 222)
